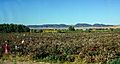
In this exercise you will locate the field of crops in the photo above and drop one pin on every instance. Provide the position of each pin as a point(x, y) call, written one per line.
point(64, 47)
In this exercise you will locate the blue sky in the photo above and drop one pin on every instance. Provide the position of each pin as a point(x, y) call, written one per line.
point(60, 11)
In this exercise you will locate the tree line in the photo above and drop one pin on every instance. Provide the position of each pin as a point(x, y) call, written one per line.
point(13, 28)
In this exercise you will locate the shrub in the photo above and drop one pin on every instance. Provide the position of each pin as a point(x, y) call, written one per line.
point(71, 28)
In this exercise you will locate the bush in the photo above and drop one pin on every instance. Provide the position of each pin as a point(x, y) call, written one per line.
point(71, 28)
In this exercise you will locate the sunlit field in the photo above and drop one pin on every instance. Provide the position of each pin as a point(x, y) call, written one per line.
point(81, 48)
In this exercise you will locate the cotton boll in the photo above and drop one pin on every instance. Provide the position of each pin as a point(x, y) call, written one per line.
point(17, 36)
point(23, 41)
point(23, 34)
point(5, 41)
point(16, 47)
point(30, 38)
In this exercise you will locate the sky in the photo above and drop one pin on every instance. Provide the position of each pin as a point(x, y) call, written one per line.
point(60, 11)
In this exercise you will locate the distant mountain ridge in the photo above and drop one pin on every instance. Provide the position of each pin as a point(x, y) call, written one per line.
point(64, 25)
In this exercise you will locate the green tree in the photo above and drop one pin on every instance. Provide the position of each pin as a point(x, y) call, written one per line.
point(71, 28)
point(13, 28)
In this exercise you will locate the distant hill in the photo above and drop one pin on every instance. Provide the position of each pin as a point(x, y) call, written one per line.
point(82, 25)
point(64, 25)
point(49, 25)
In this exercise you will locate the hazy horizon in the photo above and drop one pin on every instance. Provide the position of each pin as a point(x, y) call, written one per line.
point(59, 23)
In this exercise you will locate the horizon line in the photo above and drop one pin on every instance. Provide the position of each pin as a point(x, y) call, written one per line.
point(60, 23)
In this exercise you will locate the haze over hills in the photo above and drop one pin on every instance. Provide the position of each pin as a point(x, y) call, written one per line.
point(64, 25)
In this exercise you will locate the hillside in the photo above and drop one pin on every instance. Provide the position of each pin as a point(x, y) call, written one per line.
point(64, 25)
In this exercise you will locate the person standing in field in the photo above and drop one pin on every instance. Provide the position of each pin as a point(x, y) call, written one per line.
point(5, 49)
point(5, 52)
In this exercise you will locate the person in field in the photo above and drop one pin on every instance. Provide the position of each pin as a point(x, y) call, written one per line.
point(5, 52)
point(5, 49)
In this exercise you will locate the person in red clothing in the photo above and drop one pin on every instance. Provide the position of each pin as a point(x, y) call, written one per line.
point(5, 49)
point(5, 52)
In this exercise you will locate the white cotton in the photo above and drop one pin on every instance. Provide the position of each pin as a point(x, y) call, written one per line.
point(23, 41)
point(17, 36)
point(5, 41)
point(16, 47)
point(30, 38)
point(23, 34)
